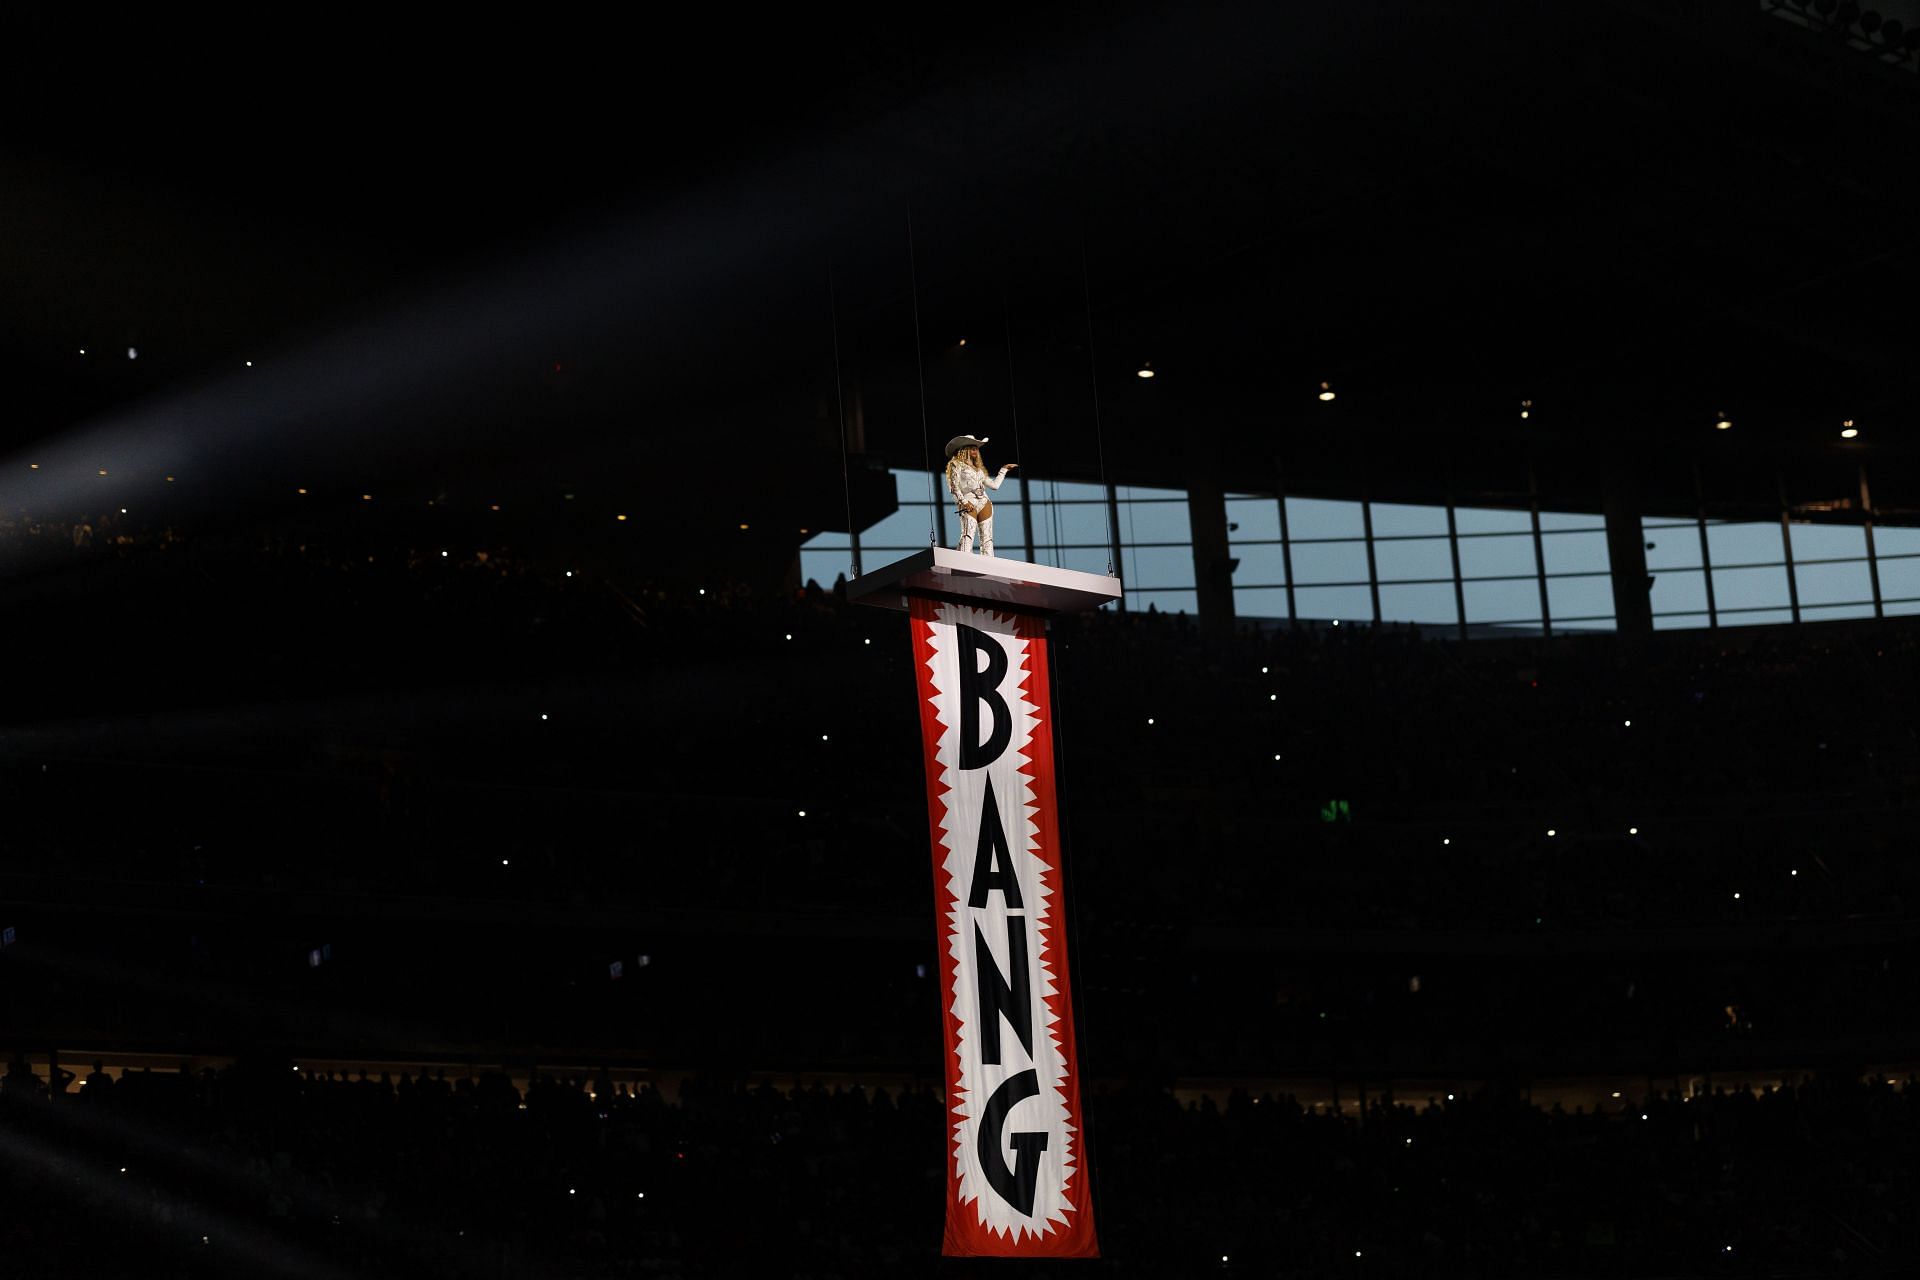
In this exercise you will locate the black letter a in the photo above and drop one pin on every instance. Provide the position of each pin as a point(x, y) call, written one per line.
point(992, 865)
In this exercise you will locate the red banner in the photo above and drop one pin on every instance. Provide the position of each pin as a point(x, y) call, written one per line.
point(1016, 1173)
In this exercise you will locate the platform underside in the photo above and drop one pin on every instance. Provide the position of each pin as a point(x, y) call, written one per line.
point(946, 574)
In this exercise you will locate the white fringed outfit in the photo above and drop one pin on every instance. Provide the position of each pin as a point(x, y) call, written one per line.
point(969, 485)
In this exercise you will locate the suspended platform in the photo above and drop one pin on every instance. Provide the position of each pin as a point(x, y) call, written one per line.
point(946, 574)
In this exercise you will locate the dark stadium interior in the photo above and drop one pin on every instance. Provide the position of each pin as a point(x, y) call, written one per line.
point(457, 823)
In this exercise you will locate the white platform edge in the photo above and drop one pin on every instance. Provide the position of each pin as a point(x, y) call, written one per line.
point(946, 574)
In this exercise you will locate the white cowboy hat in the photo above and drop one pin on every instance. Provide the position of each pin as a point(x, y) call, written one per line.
point(958, 443)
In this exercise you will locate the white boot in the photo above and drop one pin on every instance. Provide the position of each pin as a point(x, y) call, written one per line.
point(986, 536)
point(967, 525)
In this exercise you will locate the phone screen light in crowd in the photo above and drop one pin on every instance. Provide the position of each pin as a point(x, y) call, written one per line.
point(1794, 872)
point(366, 497)
point(868, 640)
point(33, 466)
point(443, 555)
point(1736, 895)
point(543, 715)
point(1409, 1141)
point(1443, 839)
point(1645, 1116)
point(1149, 719)
point(1449, 1097)
point(639, 1195)
point(103, 471)
point(169, 479)
point(703, 591)
point(1633, 831)
point(1551, 833)
point(1336, 622)
point(1223, 1257)
point(83, 351)
point(123, 1168)
point(123, 511)
point(803, 813)
point(823, 737)
point(569, 573)
point(1627, 723)
point(493, 506)
point(1276, 756)
point(789, 635)
point(1263, 671)
point(133, 353)
point(1273, 697)
point(1616, 1093)
point(743, 528)
point(249, 364)
point(299, 490)
point(620, 517)
point(503, 862)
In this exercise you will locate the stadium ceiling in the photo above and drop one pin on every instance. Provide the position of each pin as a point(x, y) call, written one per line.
point(1563, 240)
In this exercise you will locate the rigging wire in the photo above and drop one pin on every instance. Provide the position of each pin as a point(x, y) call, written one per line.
point(1093, 369)
point(1013, 404)
point(926, 451)
point(839, 391)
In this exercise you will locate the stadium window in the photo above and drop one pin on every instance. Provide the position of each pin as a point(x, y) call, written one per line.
point(1156, 549)
point(1497, 568)
point(1749, 573)
point(1579, 579)
point(1896, 552)
point(1414, 563)
point(1830, 571)
point(1253, 539)
point(1679, 580)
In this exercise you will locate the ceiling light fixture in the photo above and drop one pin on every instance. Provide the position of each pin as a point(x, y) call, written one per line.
point(1847, 430)
point(1146, 369)
point(1326, 392)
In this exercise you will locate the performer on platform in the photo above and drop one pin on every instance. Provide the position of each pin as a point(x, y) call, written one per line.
point(968, 480)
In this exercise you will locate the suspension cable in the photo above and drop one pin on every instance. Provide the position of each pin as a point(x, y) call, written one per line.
point(839, 391)
point(926, 450)
point(1099, 442)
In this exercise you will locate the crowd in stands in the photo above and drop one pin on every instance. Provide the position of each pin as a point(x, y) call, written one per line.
point(264, 1169)
point(451, 707)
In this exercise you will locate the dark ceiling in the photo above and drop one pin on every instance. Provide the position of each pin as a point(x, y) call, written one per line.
point(490, 262)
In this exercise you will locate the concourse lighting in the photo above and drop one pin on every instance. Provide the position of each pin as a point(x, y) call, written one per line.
point(1145, 370)
point(1326, 393)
